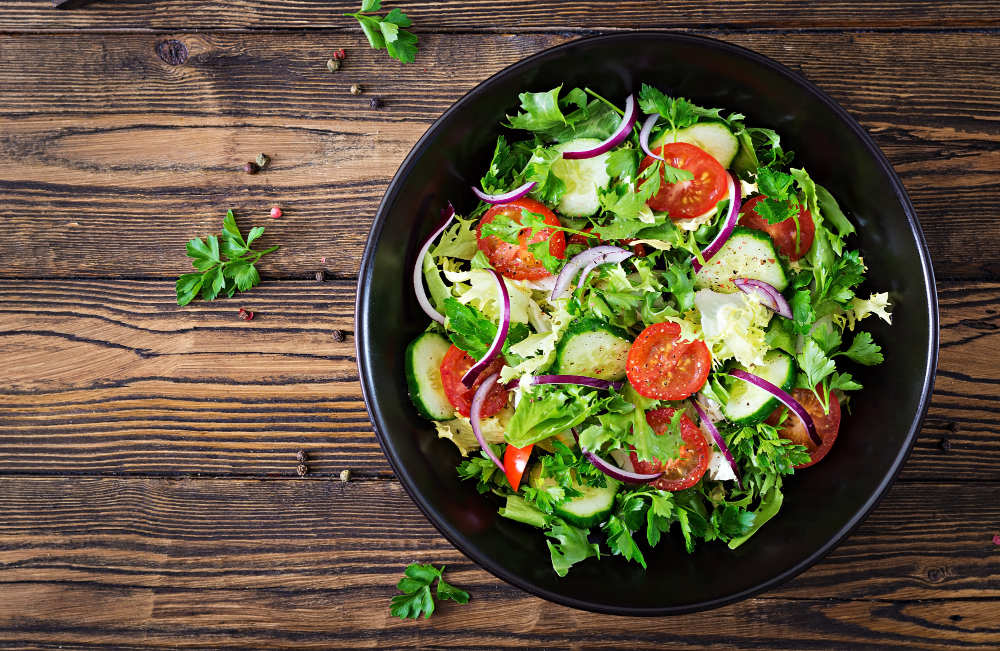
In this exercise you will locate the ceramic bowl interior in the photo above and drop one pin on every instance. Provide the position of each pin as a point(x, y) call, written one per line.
point(823, 504)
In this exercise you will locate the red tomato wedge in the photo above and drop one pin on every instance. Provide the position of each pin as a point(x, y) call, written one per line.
point(782, 233)
point(692, 198)
point(515, 460)
point(515, 261)
point(691, 463)
point(454, 366)
point(662, 366)
point(827, 425)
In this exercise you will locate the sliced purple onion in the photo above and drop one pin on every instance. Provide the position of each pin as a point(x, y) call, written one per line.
point(647, 128)
point(614, 471)
point(768, 295)
point(470, 376)
point(580, 260)
point(611, 257)
point(582, 380)
point(474, 411)
point(723, 448)
point(621, 133)
point(506, 197)
point(785, 398)
point(447, 214)
point(730, 223)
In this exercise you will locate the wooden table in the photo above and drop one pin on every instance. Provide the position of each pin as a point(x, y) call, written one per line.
point(148, 486)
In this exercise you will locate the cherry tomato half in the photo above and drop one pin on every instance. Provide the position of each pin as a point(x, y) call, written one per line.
point(827, 425)
point(782, 233)
point(454, 366)
point(692, 198)
point(663, 367)
point(691, 462)
point(515, 460)
point(515, 261)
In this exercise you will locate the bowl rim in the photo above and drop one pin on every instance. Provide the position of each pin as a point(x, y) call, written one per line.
point(930, 370)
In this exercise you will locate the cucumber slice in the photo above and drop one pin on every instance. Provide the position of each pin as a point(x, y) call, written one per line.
point(747, 253)
point(423, 375)
point(584, 511)
point(582, 178)
point(593, 348)
point(749, 404)
point(713, 137)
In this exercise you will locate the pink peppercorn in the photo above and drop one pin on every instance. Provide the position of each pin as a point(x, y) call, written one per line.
point(275, 212)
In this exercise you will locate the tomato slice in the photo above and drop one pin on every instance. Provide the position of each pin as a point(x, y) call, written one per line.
point(827, 425)
point(515, 460)
point(661, 366)
point(454, 366)
point(782, 233)
point(692, 198)
point(515, 261)
point(690, 464)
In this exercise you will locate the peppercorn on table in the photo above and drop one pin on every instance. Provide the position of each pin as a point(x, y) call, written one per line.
point(206, 476)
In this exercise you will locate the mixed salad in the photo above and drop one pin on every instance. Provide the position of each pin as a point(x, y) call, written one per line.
point(640, 325)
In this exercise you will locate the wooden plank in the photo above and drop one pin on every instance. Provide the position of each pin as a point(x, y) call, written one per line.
point(508, 15)
point(114, 377)
point(242, 563)
point(113, 154)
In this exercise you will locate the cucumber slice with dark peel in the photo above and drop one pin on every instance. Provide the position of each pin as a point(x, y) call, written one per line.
point(591, 508)
point(749, 404)
point(423, 376)
point(748, 253)
point(593, 348)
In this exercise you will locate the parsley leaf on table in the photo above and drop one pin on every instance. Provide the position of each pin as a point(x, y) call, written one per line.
point(386, 32)
point(215, 275)
point(416, 588)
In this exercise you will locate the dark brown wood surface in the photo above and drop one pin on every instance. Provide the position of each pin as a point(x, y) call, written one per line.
point(148, 492)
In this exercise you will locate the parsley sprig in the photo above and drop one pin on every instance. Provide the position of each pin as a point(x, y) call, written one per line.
point(416, 588)
point(216, 275)
point(386, 32)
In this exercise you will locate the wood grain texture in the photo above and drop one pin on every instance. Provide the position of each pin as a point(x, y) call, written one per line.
point(111, 153)
point(240, 563)
point(507, 15)
point(113, 377)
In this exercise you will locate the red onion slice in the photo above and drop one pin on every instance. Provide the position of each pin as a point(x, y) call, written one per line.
point(647, 128)
point(624, 128)
point(568, 273)
point(768, 295)
point(470, 376)
point(474, 411)
point(614, 256)
point(785, 399)
point(506, 197)
point(723, 448)
point(582, 380)
point(447, 214)
point(728, 226)
point(614, 471)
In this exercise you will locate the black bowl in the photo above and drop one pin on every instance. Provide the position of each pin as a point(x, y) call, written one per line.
point(824, 503)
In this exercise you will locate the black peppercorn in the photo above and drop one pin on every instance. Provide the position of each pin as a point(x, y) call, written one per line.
point(945, 445)
point(301, 456)
point(251, 168)
point(321, 275)
point(338, 335)
point(953, 426)
point(376, 103)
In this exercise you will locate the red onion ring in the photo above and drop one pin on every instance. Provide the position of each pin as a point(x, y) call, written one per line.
point(624, 128)
point(474, 411)
point(511, 195)
point(768, 295)
point(785, 398)
point(565, 277)
point(470, 376)
point(647, 128)
point(582, 380)
point(447, 214)
point(723, 448)
point(614, 471)
point(613, 256)
point(728, 226)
